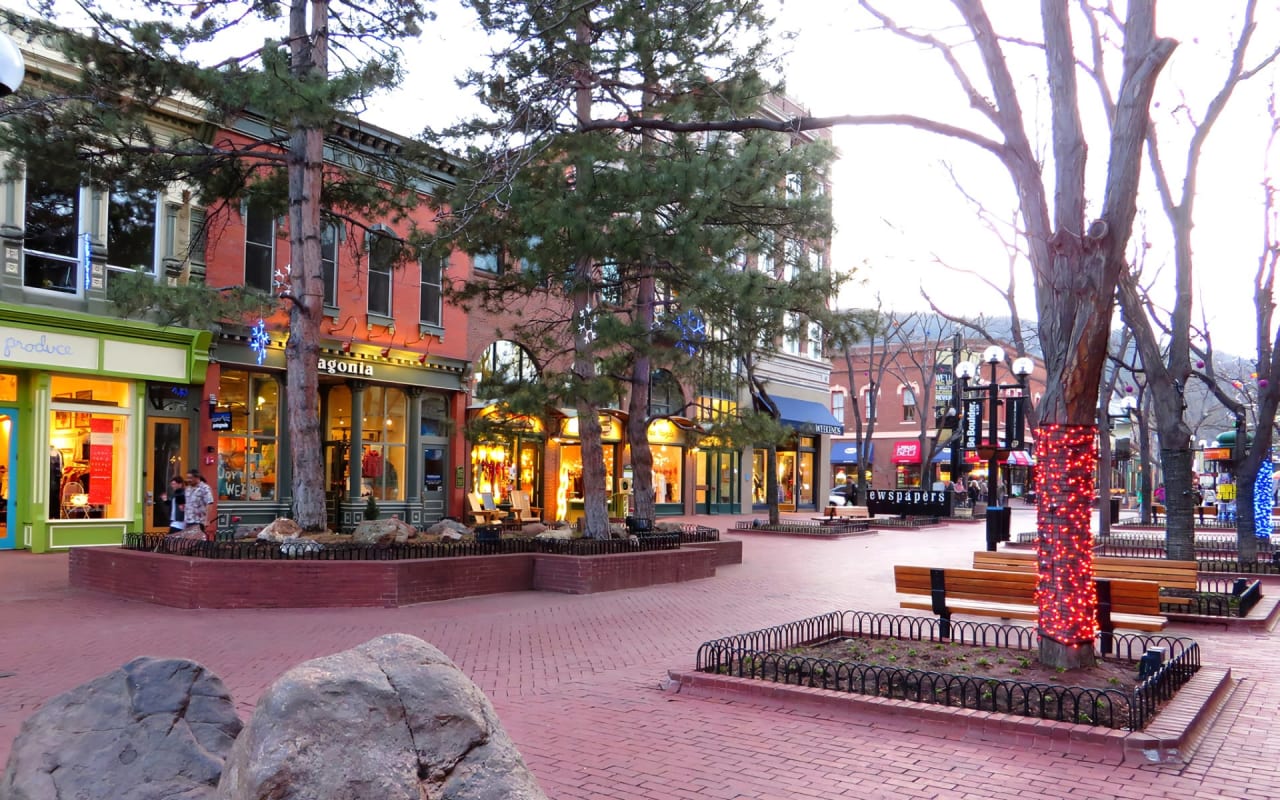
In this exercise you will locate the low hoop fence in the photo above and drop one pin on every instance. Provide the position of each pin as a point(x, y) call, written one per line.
point(1218, 597)
point(306, 549)
point(818, 529)
point(776, 655)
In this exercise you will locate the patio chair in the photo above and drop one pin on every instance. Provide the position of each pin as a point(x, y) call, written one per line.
point(521, 510)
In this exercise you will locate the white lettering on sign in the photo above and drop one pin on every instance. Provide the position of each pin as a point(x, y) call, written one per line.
point(905, 449)
point(13, 344)
point(334, 366)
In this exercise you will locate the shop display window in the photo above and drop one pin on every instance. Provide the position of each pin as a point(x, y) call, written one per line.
point(382, 450)
point(89, 460)
point(248, 451)
point(668, 472)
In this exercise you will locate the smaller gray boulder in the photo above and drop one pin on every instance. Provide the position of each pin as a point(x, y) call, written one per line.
point(152, 730)
point(383, 531)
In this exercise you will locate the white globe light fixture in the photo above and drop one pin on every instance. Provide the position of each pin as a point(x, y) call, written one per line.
point(12, 66)
point(1025, 366)
point(993, 354)
point(965, 370)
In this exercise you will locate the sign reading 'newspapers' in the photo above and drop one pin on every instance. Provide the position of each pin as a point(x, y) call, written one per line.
point(916, 502)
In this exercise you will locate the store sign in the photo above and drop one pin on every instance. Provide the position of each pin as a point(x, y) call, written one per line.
point(1217, 454)
point(101, 455)
point(918, 502)
point(335, 366)
point(48, 349)
point(220, 421)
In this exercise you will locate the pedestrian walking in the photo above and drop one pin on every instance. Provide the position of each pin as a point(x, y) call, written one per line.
point(199, 508)
point(177, 499)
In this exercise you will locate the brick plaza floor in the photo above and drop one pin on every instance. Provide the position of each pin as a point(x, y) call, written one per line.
point(575, 679)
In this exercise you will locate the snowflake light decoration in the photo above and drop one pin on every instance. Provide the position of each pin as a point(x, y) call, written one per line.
point(259, 341)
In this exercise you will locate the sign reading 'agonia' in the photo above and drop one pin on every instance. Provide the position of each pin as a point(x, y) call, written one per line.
point(334, 366)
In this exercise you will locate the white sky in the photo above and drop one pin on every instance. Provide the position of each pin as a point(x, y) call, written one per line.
point(895, 205)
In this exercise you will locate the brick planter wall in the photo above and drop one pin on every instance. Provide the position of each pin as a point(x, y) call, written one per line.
point(213, 583)
point(728, 551)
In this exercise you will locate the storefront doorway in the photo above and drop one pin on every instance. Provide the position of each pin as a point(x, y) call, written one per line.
point(716, 473)
point(8, 473)
point(167, 448)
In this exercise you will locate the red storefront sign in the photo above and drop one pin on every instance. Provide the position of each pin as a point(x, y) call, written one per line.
point(101, 455)
point(906, 452)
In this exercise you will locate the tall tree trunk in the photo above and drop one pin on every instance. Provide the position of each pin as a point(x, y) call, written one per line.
point(594, 490)
point(1179, 502)
point(309, 58)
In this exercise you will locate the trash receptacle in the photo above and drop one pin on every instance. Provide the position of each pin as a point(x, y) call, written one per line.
point(998, 522)
point(1115, 510)
point(488, 533)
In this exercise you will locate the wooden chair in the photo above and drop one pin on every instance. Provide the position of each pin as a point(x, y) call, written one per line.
point(521, 510)
point(476, 513)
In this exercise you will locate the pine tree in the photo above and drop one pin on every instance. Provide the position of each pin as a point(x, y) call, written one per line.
point(99, 126)
point(618, 233)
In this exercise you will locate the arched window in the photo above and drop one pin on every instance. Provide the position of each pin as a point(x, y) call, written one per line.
point(665, 397)
point(908, 405)
point(503, 364)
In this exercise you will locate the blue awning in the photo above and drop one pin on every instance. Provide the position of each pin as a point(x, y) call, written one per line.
point(807, 416)
point(847, 452)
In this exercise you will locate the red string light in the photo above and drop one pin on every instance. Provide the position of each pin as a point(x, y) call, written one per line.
point(1066, 597)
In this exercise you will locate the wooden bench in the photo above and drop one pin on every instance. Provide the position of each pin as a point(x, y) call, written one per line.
point(1177, 575)
point(1201, 512)
point(1132, 605)
point(836, 514)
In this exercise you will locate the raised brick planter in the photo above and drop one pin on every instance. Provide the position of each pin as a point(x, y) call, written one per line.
point(215, 583)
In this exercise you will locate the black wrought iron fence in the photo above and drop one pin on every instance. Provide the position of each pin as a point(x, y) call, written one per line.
point(809, 528)
point(761, 655)
point(307, 550)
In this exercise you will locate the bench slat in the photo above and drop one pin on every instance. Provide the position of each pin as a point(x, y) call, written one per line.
point(1169, 574)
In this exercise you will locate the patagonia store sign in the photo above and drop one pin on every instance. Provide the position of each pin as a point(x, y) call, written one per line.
point(916, 502)
point(336, 366)
point(41, 349)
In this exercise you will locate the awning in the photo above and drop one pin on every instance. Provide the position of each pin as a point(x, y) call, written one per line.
point(806, 416)
point(943, 456)
point(847, 452)
point(1020, 458)
point(906, 451)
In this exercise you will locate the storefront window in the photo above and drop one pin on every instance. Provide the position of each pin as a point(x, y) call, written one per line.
point(249, 413)
point(569, 500)
point(668, 461)
point(8, 388)
point(89, 464)
point(382, 452)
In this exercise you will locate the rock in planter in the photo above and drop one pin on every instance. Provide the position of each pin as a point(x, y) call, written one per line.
point(152, 730)
point(392, 719)
point(280, 530)
point(448, 526)
point(382, 531)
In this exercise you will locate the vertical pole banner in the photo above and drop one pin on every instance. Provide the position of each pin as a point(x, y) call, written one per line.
point(101, 455)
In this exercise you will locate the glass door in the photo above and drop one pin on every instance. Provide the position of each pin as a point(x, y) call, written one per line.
point(717, 482)
point(8, 479)
point(167, 445)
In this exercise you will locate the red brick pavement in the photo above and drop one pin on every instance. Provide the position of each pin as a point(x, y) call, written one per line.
point(575, 679)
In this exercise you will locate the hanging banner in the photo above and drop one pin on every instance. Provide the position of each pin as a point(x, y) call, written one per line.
point(101, 455)
point(972, 424)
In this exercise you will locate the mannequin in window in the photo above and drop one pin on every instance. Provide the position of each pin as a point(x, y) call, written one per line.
point(371, 463)
point(55, 482)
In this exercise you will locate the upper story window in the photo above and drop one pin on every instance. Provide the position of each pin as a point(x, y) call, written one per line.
point(383, 252)
point(51, 251)
point(330, 233)
point(870, 396)
point(610, 283)
point(795, 186)
point(432, 292)
point(504, 363)
point(837, 405)
point(908, 405)
point(665, 397)
point(260, 228)
point(131, 230)
point(489, 261)
point(815, 341)
point(765, 258)
point(790, 337)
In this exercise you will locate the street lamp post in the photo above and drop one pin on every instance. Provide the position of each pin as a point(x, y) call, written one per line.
point(956, 393)
point(997, 514)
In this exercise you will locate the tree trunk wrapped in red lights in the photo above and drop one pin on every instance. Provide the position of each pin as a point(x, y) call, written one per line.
point(1066, 595)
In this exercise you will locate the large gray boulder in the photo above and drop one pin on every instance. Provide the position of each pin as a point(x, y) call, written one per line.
point(383, 531)
point(392, 719)
point(152, 730)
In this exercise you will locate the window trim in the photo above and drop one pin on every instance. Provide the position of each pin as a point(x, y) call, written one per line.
point(441, 264)
point(247, 209)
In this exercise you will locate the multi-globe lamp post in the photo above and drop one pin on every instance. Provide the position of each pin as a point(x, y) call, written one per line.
point(972, 401)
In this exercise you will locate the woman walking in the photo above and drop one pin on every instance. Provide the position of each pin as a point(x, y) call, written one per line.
point(199, 505)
